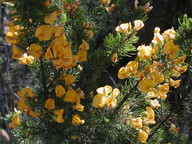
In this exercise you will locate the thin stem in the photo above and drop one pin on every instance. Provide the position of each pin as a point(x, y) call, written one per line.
point(56, 76)
point(162, 122)
point(120, 105)
point(43, 79)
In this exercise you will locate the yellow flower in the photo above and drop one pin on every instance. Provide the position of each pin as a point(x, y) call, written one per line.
point(162, 90)
point(158, 38)
point(142, 136)
point(151, 94)
point(15, 121)
point(132, 67)
point(50, 18)
point(69, 79)
point(48, 54)
point(43, 33)
point(12, 35)
point(180, 69)
point(59, 114)
point(48, 3)
point(24, 93)
point(71, 96)
point(89, 34)
point(151, 116)
point(180, 60)
point(80, 93)
point(78, 107)
point(35, 50)
point(174, 129)
point(138, 24)
point(26, 59)
point(169, 34)
point(111, 102)
point(34, 114)
point(115, 92)
point(111, 8)
point(174, 83)
point(157, 76)
point(56, 31)
point(59, 90)
point(146, 85)
point(154, 103)
point(77, 120)
point(114, 57)
point(50, 104)
point(123, 73)
point(84, 45)
point(16, 53)
point(170, 48)
point(104, 90)
point(136, 123)
point(58, 63)
point(22, 106)
point(82, 55)
point(144, 52)
point(124, 27)
point(98, 101)
point(105, 2)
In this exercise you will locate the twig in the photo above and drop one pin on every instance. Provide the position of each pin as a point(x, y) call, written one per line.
point(120, 105)
point(56, 76)
point(162, 122)
point(43, 79)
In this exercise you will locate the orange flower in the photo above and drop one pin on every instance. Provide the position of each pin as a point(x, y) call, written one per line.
point(154, 103)
point(16, 53)
point(34, 114)
point(50, 104)
point(138, 24)
point(98, 101)
point(59, 114)
point(145, 85)
point(124, 27)
point(123, 73)
point(162, 90)
point(84, 45)
point(136, 123)
point(143, 136)
point(35, 50)
point(71, 96)
point(59, 90)
point(174, 83)
point(82, 55)
point(76, 120)
point(78, 107)
point(144, 52)
point(114, 57)
point(69, 79)
point(50, 18)
point(43, 33)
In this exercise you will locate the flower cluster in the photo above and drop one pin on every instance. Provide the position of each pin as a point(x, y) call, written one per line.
point(106, 96)
point(50, 44)
point(154, 68)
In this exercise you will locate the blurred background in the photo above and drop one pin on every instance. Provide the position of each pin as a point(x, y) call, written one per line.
point(13, 77)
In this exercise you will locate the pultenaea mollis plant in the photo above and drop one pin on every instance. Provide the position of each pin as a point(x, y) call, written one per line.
point(68, 45)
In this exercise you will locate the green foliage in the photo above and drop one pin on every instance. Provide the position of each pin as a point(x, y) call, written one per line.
point(107, 123)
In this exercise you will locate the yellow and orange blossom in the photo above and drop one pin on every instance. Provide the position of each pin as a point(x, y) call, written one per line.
point(59, 90)
point(50, 104)
point(76, 120)
point(59, 114)
point(145, 85)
